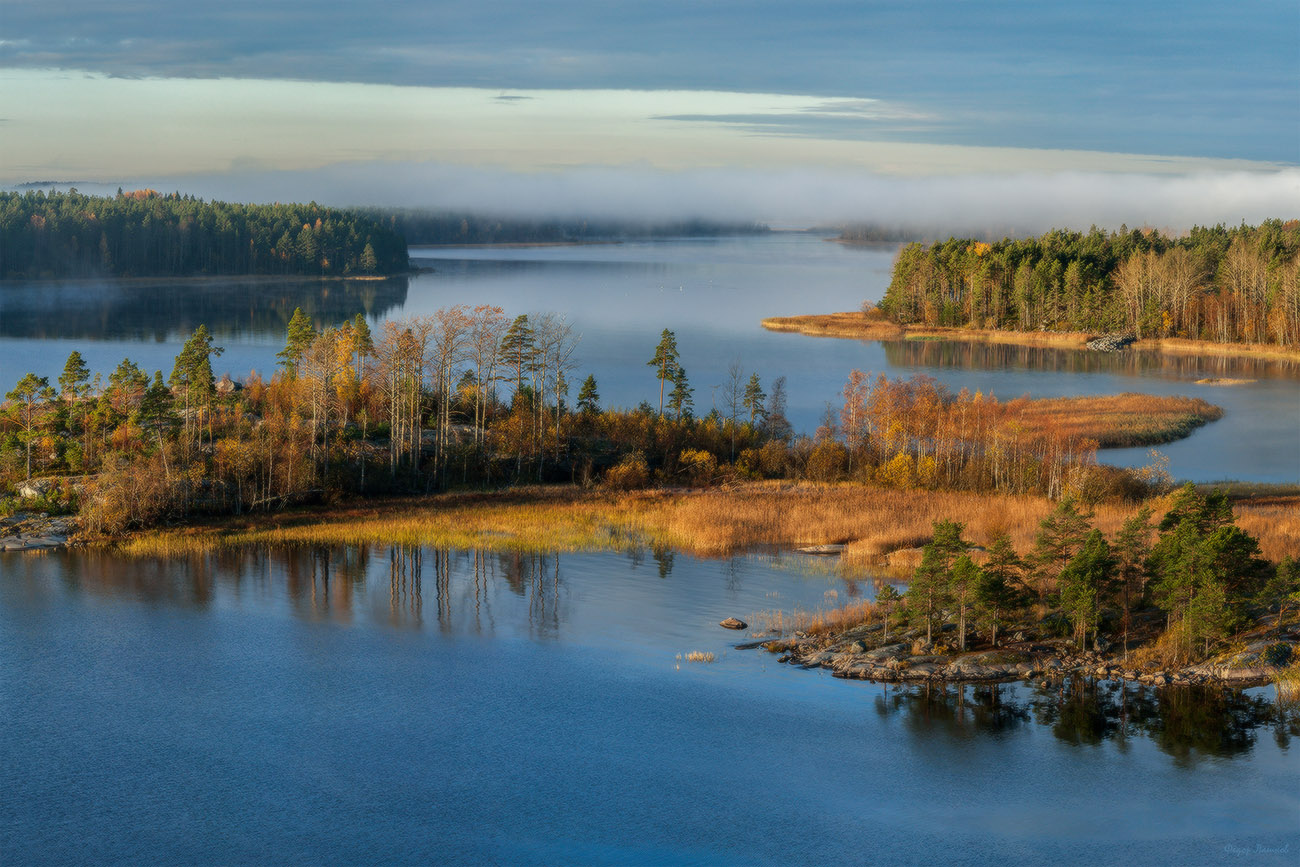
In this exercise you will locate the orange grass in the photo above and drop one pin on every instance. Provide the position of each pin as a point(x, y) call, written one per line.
point(873, 521)
point(1120, 420)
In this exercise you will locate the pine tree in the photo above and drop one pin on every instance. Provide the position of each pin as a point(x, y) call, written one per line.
point(1282, 588)
point(754, 398)
point(963, 579)
point(680, 401)
point(588, 396)
point(1059, 536)
point(927, 594)
point(1131, 548)
point(1084, 583)
point(363, 343)
point(518, 351)
point(72, 382)
point(192, 374)
point(300, 337)
point(29, 393)
point(665, 362)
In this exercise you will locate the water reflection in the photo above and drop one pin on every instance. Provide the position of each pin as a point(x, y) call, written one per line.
point(963, 355)
point(1186, 723)
point(144, 310)
point(544, 596)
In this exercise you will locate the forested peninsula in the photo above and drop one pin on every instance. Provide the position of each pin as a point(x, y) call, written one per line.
point(147, 234)
point(1219, 284)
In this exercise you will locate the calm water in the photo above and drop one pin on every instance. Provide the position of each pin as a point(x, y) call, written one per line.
point(711, 292)
point(368, 706)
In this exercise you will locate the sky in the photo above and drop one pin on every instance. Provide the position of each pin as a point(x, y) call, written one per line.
point(788, 112)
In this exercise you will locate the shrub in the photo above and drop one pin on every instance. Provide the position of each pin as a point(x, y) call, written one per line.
point(828, 462)
point(774, 459)
point(698, 466)
point(630, 473)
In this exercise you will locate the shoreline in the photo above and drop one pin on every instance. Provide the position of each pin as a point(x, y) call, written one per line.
point(856, 325)
point(566, 519)
point(847, 655)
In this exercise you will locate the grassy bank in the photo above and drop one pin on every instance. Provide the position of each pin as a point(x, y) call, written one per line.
point(877, 524)
point(863, 326)
point(1121, 421)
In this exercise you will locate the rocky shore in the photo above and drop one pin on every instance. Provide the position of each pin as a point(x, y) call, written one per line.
point(861, 654)
point(25, 531)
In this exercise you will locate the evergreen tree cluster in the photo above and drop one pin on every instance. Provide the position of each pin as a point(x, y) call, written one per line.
point(143, 233)
point(1220, 284)
point(1196, 566)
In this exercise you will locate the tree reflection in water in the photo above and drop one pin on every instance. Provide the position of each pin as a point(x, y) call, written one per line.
point(1185, 722)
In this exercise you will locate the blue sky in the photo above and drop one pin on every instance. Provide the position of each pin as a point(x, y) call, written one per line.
point(206, 91)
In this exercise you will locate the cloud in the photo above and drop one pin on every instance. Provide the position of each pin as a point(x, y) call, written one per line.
point(1112, 76)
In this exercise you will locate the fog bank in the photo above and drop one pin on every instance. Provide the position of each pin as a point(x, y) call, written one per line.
point(976, 203)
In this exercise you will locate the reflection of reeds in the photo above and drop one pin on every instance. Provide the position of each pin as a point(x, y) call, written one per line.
point(1287, 682)
point(874, 521)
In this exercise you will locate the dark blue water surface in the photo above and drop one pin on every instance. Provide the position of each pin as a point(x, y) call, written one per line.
point(374, 706)
point(711, 292)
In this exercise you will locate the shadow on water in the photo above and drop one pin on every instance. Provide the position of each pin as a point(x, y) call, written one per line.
point(154, 310)
point(965, 355)
point(1187, 722)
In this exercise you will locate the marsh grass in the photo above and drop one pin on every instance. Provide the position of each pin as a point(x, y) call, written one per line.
point(820, 622)
point(1120, 421)
point(873, 521)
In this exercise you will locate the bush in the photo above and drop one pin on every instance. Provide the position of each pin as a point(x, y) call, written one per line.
point(699, 467)
point(828, 462)
point(774, 459)
point(630, 473)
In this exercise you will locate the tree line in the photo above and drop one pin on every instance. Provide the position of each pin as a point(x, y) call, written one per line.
point(144, 233)
point(1239, 284)
point(470, 397)
point(448, 227)
point(1196, 567)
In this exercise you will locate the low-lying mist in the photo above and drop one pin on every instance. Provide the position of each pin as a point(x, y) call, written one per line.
point(978, 204)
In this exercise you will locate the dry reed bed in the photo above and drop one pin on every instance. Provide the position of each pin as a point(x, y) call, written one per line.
point(1120, 420)
point(873, 521)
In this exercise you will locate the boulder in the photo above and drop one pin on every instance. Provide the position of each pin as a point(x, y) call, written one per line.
point(733, 623)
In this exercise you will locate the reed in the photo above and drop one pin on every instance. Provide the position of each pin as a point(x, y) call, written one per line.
point(1287, 683)
point(873, 521)
point(696, 656)
point(1119, 421)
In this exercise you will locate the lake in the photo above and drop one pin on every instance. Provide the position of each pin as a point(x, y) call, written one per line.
point(711, 292)
point(378, 705)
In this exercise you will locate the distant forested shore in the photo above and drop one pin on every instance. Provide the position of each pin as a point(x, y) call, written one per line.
point(454, 228)
point(1219, 284)
point(147, 234)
